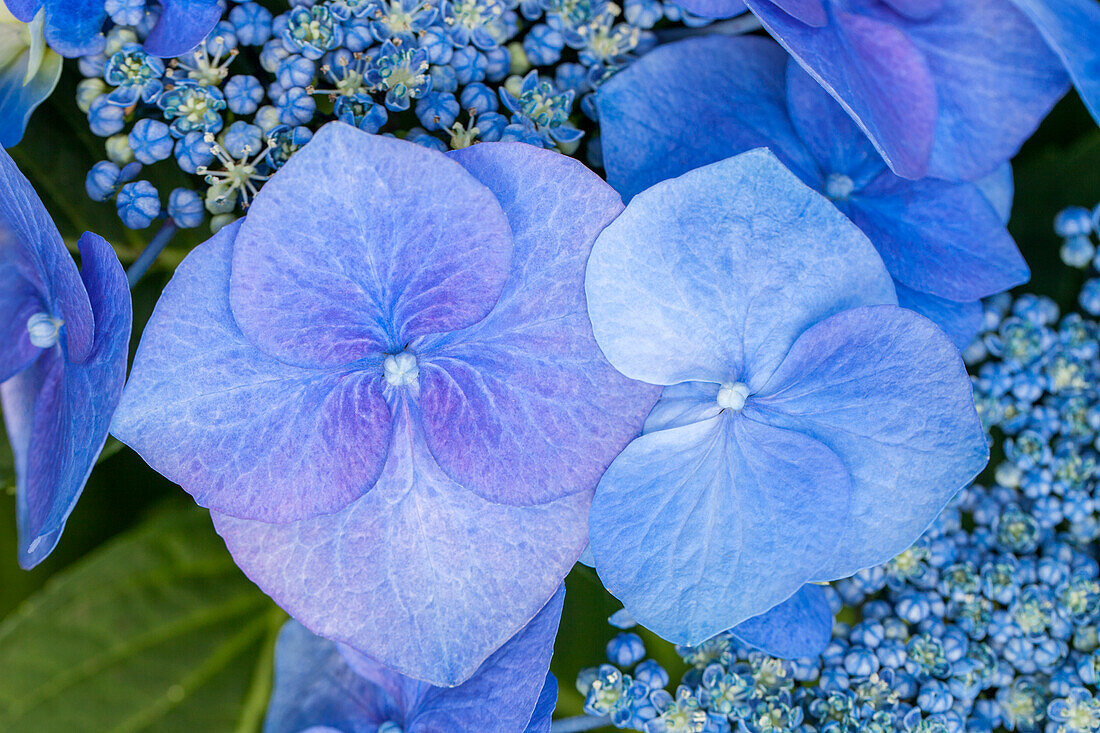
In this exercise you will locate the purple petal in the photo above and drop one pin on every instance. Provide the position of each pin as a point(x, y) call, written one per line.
point(643, 144)
point(799, 627)
point(420, 573)
point(888, 393)
point(182, 25)
point(916, 9)
point(659, 288)
point(244, 433)
point(31, 244)
point(526, 392)
point(24, 10)
point(810, 12)
point(1072, 29)
point(937, 237)
point(961, 321)
point(874, 70)
point(57, 412)
point(699, 528)
point(362, 243)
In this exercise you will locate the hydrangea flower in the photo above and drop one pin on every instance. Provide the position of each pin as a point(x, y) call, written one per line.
point(808, 427)
point(63, 348)
point(323, 685)
point(944, 88)
point(944, 243)
point(28, 74)
point(384, 384)
point(75, 27)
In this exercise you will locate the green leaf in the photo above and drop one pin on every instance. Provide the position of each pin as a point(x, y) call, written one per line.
point(156, 631)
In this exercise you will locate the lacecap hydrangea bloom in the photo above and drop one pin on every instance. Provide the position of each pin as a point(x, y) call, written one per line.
point(944, 88)
point(75, 27)
point(322, 685)
point(809, 427)
point(384, 385)
point(28, 74)
point(63, 345)
point(944, 243)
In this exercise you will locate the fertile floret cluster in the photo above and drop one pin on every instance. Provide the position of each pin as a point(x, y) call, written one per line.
point(443, 73)
point(988, 623)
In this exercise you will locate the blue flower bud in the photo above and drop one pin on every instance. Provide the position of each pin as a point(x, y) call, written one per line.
point(138, 204)
point(625, 650)
point(185, 208)
point(151, 141)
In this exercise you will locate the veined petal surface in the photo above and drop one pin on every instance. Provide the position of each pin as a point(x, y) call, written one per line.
point(799, 627)
point(420, 573)
point(702, 527)
point(887, 392)
point(521, 407)
point(244, 433)
point(362, 243)
point(713, 275)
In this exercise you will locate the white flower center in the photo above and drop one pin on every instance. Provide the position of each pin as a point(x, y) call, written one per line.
point(401, 369)
point(732, 395)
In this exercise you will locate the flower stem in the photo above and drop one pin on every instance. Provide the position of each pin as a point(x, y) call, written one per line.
point(579, 723)
point(149, 255)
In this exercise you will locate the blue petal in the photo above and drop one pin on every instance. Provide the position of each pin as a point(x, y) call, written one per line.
point(952, 95)
point(75, 27)
point(833, 139)
point(713, 8)
point(934, 236)
point(314, 686)
point(683, 404)
point(319, 684)
point(660, 291)
point(20, 96)
point(526, 392)
point(24, 10)
point(420, 573)
point(643, 143)
point(32, 245)
point(542, 716)
point(1072, 28)
point(995, 82)
point(999, 189)
point(362, 243)
point(799, 627)
point(57, 412)
point(937, 237)
point(888, 393)
point(182, 25)
point(507, 690)
point(874, 70)
point(699, 528)
point(961, 321)
point(244, 433)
